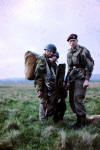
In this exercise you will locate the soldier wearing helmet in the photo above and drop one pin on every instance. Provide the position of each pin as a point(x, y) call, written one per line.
point(54, 59)
point(80, 67)
point(51, 47)
point(45, 81)
point(56, 54)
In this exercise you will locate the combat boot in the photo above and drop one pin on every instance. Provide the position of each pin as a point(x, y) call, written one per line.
point(83, 121)
point(77, 125)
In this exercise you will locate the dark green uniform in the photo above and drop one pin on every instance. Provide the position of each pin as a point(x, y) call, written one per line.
point(45, 82)
point(80, 66)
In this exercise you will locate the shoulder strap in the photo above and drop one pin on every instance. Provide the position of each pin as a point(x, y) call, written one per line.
point(48, 69)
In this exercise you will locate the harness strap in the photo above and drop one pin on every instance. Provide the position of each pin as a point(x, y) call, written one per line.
point(48, 69)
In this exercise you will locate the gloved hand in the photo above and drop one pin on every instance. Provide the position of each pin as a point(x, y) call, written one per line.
point(40, 94)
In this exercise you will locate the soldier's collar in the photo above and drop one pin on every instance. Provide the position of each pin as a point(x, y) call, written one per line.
point(45, 55)
point(75, 49)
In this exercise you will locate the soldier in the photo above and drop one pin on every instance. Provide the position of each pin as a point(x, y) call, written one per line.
point(80, 67)
point(53, 60)
point(45, 81)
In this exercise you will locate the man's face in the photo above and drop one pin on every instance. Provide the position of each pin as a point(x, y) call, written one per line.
point(73, 43)
point(49, 53)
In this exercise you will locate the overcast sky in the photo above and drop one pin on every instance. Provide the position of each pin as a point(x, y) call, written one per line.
point(32, 24)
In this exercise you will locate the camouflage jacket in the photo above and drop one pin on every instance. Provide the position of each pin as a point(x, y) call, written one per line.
point(44, 74)
point(80, 63)
point(54, 66)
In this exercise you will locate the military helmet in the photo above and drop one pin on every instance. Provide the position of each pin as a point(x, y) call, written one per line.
point(51, 47)
point(56, 54)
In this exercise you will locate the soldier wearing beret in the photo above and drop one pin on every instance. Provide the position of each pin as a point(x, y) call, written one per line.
point(45, 81)
point(80, 67)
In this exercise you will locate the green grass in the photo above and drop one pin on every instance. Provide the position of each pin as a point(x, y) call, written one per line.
point(20, 128)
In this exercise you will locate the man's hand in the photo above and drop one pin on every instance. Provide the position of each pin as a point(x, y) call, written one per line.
point(85, 84)
point(40, 94)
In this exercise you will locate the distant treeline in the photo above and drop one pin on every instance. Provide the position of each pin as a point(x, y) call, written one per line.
point(94, 78)
point(16, 81)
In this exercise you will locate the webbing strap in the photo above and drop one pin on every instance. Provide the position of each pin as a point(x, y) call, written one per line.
point(48, 69)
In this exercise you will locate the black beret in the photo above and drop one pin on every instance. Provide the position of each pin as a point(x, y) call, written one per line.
point(72, 36)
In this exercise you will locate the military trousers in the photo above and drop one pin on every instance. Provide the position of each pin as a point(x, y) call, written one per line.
point(46, 108)
point(42, 111)
point(76, 97)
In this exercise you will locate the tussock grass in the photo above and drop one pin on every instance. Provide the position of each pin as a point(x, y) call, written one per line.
point(62, 134)
point(20, 128)
point(12, 124)
point(87, 137)
point(9, 142)
point(47, 131)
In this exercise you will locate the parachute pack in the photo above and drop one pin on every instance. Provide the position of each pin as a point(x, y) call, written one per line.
point(30, 64)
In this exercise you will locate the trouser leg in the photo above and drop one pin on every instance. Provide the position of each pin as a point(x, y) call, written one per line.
point(42, 111)
point(79, 95)
point(71, 97)
point(83, 120)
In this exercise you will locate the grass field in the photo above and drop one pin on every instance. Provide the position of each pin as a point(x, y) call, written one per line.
point(20, 128)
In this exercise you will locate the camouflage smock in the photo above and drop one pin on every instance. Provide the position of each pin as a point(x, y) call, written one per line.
point(80, 59)
point(44, 74)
